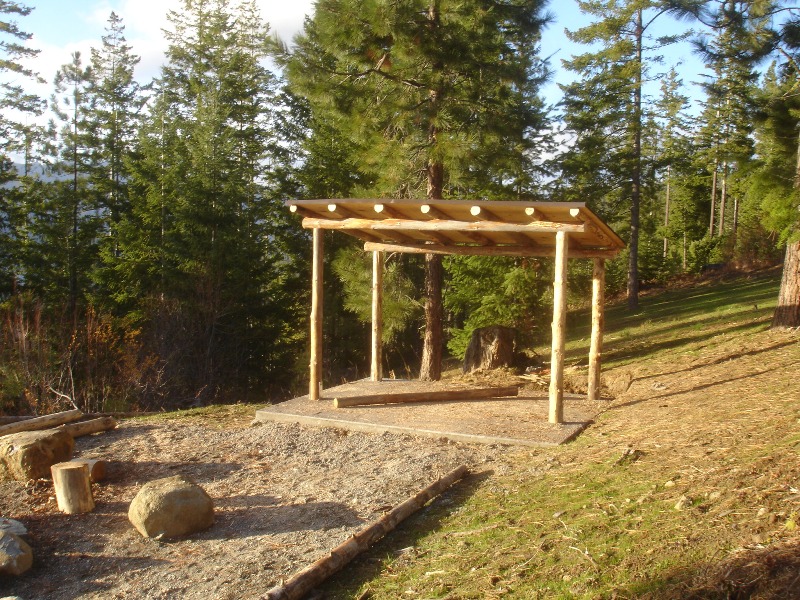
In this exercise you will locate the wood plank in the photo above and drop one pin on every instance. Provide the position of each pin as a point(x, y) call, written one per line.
point(500, 250)
point(315, 366)
point(433, 396)
point(440, 225)
point(556, 410)
point(596, 343)
point(300, 584)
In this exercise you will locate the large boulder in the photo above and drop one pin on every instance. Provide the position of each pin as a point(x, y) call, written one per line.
point(30, 454)
point(16, 555)
point(171, 507)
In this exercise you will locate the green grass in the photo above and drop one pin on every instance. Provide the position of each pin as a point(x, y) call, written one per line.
point(576, 522)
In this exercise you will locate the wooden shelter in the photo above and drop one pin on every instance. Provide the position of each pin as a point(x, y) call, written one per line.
point(561, 230)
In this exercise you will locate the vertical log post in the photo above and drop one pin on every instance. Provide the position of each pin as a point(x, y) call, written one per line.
point(596, 347)
point(376, 373)
point(315, 370)
point(556, 412)
point(72, 487)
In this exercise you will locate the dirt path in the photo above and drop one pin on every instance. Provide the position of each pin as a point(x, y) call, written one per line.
point(284, 495)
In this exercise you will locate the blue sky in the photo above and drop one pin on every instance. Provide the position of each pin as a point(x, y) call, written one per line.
point(63, 26)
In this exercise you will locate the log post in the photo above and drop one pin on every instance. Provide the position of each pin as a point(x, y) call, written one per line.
point(596, 346)
point(376, 373)
point(72, 487)
point(556, 412)
point(315, 370)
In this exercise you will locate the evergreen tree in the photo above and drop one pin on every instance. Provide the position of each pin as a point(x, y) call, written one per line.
point(117, 103)
point(434, 95)
point(16, 135)
point(205, 263)
point(611, 87)
point(68, 217)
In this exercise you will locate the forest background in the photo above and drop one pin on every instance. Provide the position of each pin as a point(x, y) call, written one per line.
point(147, 260)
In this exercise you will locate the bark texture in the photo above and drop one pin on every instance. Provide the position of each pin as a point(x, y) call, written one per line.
point(489, 348)
point(787, 313)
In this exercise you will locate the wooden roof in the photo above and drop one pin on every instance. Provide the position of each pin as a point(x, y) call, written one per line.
point(479, 227)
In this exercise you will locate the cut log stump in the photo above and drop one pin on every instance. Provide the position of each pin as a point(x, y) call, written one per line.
point(72, 486)
point(489, 348)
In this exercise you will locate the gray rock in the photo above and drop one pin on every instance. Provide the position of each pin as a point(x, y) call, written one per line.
point(12, 526)
point(16, 555)
point(171, 507)
point(30, 454)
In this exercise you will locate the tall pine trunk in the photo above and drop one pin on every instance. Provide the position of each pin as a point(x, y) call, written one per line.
point(431, 367)
point(636, 175)
point(787, 313)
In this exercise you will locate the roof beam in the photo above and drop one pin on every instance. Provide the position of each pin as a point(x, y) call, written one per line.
point(440, 225)
point(532, 251)
point(486, 215)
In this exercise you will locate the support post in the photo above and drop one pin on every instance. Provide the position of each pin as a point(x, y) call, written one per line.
point(315, 370)
point(376, 373)
point(596, 347)
point(556, 412)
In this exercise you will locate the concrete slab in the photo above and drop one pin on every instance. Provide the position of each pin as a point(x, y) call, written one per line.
point(520, 420)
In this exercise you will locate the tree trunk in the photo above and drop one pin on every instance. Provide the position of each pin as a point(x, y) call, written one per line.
point(431, 367)
point(636, 175)
point(489, 348)
point(787, 313)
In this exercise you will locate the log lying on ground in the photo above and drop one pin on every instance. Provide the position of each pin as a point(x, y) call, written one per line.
point(303, 582)
point(73, 490)
point(45, 422)
point(92, 426)
point(97, 468)
point(441, 396)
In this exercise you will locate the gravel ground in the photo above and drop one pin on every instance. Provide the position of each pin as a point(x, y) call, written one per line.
point(284, 495)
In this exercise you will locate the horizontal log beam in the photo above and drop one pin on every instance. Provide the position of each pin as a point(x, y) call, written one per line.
point(441, 225)
point(440, 396)
point(531, 251)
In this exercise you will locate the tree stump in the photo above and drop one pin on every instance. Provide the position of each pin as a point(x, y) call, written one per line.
point(73, 490)
point(489, 348)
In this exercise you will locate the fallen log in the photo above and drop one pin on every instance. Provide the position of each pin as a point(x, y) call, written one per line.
point(44, 422)
point(301, 583)
point(96, 466)
point(440, 396)
point(72, 487)
point(92, 426)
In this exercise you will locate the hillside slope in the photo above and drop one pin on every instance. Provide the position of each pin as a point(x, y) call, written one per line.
point(687, 486)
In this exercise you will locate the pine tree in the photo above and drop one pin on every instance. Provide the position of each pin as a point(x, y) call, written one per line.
point(16, 135)
point(613, 78)
point(436, 96)
point(205, 263)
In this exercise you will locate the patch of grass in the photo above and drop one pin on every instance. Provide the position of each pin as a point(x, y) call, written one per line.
point(709, 499)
